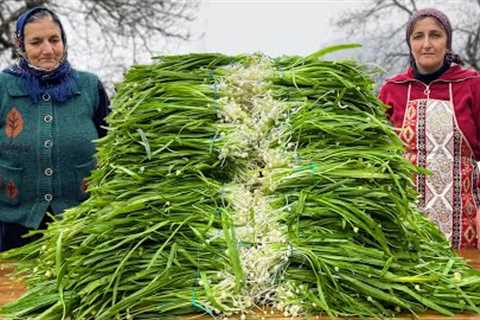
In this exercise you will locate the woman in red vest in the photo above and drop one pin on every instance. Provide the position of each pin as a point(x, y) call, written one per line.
point(435, 106)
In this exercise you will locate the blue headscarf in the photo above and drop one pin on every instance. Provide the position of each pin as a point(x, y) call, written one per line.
point(59, 83)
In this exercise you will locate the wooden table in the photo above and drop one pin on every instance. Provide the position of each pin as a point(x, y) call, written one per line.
point(10, 290)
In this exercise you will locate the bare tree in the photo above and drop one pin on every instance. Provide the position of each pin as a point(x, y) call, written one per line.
point(106, 30)
point(380, 25)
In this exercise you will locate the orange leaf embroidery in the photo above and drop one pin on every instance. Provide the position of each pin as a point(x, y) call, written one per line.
point(84, 185)
point(12, 191)
point(14, 123)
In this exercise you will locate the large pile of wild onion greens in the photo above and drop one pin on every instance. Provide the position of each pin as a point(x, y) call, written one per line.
point(227, 184)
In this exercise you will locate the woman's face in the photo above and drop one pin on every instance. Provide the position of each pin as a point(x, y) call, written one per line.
point(43, 43)
point(428, 43)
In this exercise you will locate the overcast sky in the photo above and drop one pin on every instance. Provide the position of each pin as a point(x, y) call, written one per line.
point(274, 27)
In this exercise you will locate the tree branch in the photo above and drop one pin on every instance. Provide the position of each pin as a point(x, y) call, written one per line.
point(414, 5)
point(404, 8)
point(384, 41)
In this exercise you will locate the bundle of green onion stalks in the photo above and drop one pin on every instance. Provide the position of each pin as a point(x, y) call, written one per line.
point(229, 184)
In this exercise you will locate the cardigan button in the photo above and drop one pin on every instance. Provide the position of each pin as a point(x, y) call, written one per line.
point(48, 172)
point(48, 197)
point(48, 118)
point(46, 97)
point(48, 144)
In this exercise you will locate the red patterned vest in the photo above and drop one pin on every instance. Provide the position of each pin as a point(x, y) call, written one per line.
point(440, 125)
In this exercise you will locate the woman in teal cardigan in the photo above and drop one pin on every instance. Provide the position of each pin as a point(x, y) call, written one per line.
point(49, 115)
